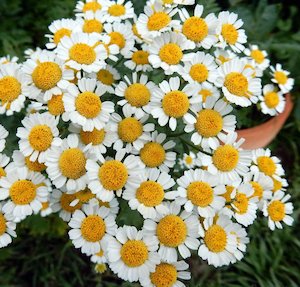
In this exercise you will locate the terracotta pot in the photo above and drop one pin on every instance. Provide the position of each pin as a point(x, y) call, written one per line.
point(262, 135)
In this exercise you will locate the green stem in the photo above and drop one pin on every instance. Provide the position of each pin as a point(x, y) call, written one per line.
point(194, 146)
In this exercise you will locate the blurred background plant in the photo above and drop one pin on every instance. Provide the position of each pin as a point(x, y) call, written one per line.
point(42, 254)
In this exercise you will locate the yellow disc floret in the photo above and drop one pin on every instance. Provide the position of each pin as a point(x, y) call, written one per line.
point(10, 89)
point(266, 165)
point(171, 231)
point(195, 29)
point(2, 224)
point(92, 26)
point(82, 54)
point(229, 33)
point(209, 123)
point(189, 160)
point(106, 77)
point(153, 154)
point(200, 193)
point(215, 238)
point(199, 73)
point(171, 53)
point(134, 253)
point(276, 210)
point(34, 165)
point(236, 84)
point(95, 137)
point(66, 200)
point(2, 172)
point(88, 104)
point(40, 137)
point(113, 175)
point(258, 56)
point(22, 192)
point(225, 158)
point(129, 130)
point(280, 77)
point(175, 104)
point(59, 34)
point(227, 194)
point(56, 105)
point(140, 57)
point(241, 203)
point(271, 100)
point(205, 93)
point(72, 163)
point(116, 10)
point(150, 193)
point(93, 228)
point(91, 6)
point(158, 20)
point(277, 185)
point(84, 195)
point(117, 39)
point(258, 189)
point(137, 95)
point(165, 275)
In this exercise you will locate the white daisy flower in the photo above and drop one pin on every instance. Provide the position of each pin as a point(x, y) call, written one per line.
point(174, 231)
point(278, 210)
point(198, 190)
point(112, 174)
point(272, 101)
point(167, 274)
point(112, 206)
point(66, 164)
point(137, 94)
point(46, 209)
point(242, 240)
point(84, 107)
point(281, 78)
point(132, 254)
point(55, 107)
point(279, 183)
point(258, 57)
point(13, 83)
point(171, 103)
point(206, 90)
point(200, 68)
point(155, 20)
point(47, 75)
point(82, 51)
point(222, 56)
point(3, 135)
point(89, 5)
point(228, 161)
point(132, 132)
point(24, 161)
point(188, 160)
point(212, 120)
point(167, 52)
point(229, 32)
point(218, 245)
point(202, 31)
point(4, 167)
point(25, 191)
point(91, 227)
point(118, 10)
point(7, 228)
point(99, 257)
point(138, 60)
point(237, 83)
point(92, 22)
point(38, 136)
point(8, 59)
point(121, 35)
point(158, 153)
point(112, 49)
point(148, 194)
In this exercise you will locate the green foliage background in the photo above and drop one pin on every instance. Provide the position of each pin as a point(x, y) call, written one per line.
point(42, 254)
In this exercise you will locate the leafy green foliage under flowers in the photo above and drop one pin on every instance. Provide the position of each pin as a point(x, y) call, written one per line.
point(41, 255)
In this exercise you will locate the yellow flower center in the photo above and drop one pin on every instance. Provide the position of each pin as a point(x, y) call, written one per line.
point(165, 275)
point(34, 165)
point(200, 193)
point(188, 160)
point(258, 189)
point(229, 33)
point(237, 84)
point(280, 77)
point(223, 59)
point(45, 205)
point(94, 6)
point(137, 95)
point(225, 158)
point(276, 210)
point(84, 195)
point(150, 193)
point(56, 105)
point(106, 77)
point(134, 253)
point(153, 154)
point(195, 29)
point(2, 224)
point(258, 56)
point(175, 104)
point(205, 94)
point(158, 20)
point(82, 54)
point(167, 1)
point(241, 202)
point(140, 57)
point(227, 194)
point(266, 165)
point(272, 100)
point(46, 75)
point(113, 175)
point(22, 192)
point(72, 163)
point(116, 10)
point(92, 26)
point(65, 201)
point(10, 89)
point(117, 39)
point(199, 73)
point(88, 104)
point(59, 34)
point(129, 130)
point(2, 172)
point(100, 268)
point(93, 228)
point(171, 231)
point(171, 54)
point(215, 238)
point(277, 185)
point(209, 123)
point(103, 203)
point(40, 137)
point(95, 137)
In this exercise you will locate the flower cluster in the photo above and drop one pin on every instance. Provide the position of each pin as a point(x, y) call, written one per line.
point(110, 106)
